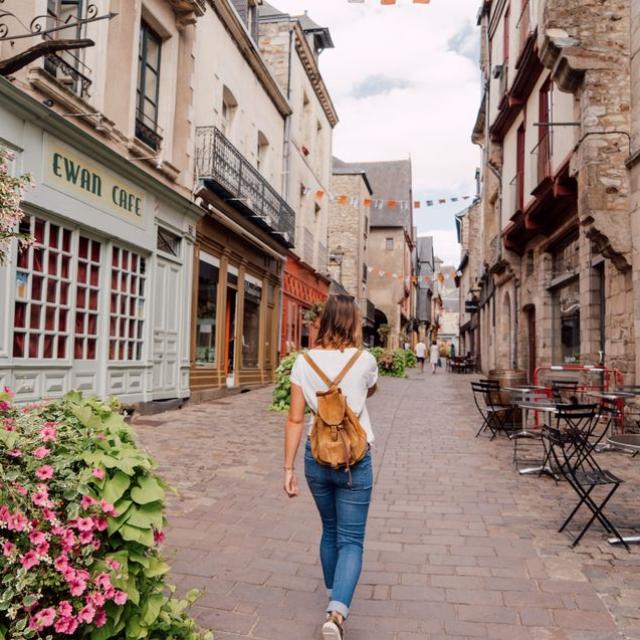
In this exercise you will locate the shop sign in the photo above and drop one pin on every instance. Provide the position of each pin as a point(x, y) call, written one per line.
point(75, 174)
point(471, 306)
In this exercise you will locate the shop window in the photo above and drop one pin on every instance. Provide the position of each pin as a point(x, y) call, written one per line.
point(566, 257)
point(43, 292)
point(87, 297)
point(148, 89)
point(126, 314)
point(208, 279)
point(566, 315)
point(251, 322)
point(168, 242)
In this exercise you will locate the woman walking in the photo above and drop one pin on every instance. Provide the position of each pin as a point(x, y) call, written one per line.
point(434, 356)
point(342, 495)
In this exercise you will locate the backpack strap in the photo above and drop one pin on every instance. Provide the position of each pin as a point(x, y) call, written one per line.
point(323, 376)
point(347, 368)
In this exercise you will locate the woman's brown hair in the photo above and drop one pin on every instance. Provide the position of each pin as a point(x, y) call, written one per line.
point(340, 324)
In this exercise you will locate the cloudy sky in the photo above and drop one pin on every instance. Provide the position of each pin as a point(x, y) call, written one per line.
point(405, 82)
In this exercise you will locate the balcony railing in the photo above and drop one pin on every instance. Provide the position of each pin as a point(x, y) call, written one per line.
point(148, 131)
point(69, 71)
point(231, 175)
point(540, 161)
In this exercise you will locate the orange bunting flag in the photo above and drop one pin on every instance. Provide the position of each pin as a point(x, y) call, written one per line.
point(421, 1)
point(367, 202)
point(341, 199)
point(416, 204)
point(387, 1)
point(319, 195)
point(392, 204)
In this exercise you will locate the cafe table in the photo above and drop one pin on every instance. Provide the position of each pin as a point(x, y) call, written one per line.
point(612, 396)
point(542, 407)
point(627, 442)
point(526, 393)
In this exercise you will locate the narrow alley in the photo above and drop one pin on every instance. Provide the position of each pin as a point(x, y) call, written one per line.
point(458, 544)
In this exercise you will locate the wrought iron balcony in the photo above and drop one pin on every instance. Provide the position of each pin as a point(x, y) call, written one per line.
point(69, 70)
point(228, 173)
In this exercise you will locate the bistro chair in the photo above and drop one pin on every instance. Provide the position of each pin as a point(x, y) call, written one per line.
point(571, 450)
point(486, 395)
point(563, 391)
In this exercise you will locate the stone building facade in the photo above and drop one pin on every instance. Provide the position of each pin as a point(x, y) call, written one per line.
point(390, 246)
point(291, 46)
point(348, 237)
point(555, 277)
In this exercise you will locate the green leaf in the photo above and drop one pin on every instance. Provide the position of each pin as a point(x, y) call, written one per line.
point(131, 588)
point(134, 629)
point(140, 559)
point(147, 515)
point(147, 490)
point(151, 608)
point(115, 487)
point(157, 567)
point(122, 508)
point(134, 534)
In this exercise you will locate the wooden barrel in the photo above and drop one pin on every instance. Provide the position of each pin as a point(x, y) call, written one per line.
point(510, 378)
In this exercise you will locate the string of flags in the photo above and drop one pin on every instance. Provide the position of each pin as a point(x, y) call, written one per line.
point(389, 1)
point(438, 277)
point(381, 203)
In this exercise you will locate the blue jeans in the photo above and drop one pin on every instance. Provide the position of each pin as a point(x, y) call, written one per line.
point(343, 510)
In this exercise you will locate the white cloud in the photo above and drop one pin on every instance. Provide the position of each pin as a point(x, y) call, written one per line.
point(429, 109)
point(420, 58)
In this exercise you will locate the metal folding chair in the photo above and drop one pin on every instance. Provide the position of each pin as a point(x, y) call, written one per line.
point(494, 415)
point(572, 451)
point(563, 391)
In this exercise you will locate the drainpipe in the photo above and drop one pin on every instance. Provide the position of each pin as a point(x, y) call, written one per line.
point(287, 128)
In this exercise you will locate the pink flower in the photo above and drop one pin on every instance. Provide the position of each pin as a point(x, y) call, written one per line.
point(9, 424)
point(69, 573)
point(65, 609)
point(40, 499)
point(96, 598)
point(113, 564)
point(45, 617)
point(100, 523)
point(29, 560)
point(20, 489)
point(98, 473)
point(87, 614)
point(49, 432)
point(67, 540)
point(41, 452)
point(5, 514)
point(45, 472)
point(100, 436)
point(85, 537)
point(8, 548)
point(50, 516)
point(17, 522)
point(84, 524)
point(14, 453)
point(107, 508)
point(101, 618)
point(61, 563)
point(120, 598)
point(6, 389)
point(158, 537)
point(37, 537)
point(86, 502)
point(77, 586)
point(66, 625)
point(42, 549)
point(103, 581)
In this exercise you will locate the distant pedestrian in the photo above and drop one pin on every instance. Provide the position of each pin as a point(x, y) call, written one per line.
point(434, 356)
point(421, 354)
point(342, 495)
point(452, 351)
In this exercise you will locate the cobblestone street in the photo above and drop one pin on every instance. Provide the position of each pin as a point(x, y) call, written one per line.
point(458, 544)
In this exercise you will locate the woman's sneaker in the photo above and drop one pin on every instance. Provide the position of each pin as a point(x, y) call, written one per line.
point(331, 630)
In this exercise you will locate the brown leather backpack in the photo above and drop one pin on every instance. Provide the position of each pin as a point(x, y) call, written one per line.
point(337, 437)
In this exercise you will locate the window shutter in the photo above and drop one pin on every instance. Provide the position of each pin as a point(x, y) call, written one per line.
point(242, 7)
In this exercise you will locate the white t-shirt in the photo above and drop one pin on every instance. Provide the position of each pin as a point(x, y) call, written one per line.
point(355, 385)
point(421, 350)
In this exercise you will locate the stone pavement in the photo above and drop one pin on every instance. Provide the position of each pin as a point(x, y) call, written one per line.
point(458, 545)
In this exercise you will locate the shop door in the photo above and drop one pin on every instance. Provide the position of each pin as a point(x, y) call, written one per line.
point(166, 314)
point(230, 336)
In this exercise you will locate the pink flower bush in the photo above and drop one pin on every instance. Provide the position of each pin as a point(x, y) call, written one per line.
point(81, 530)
